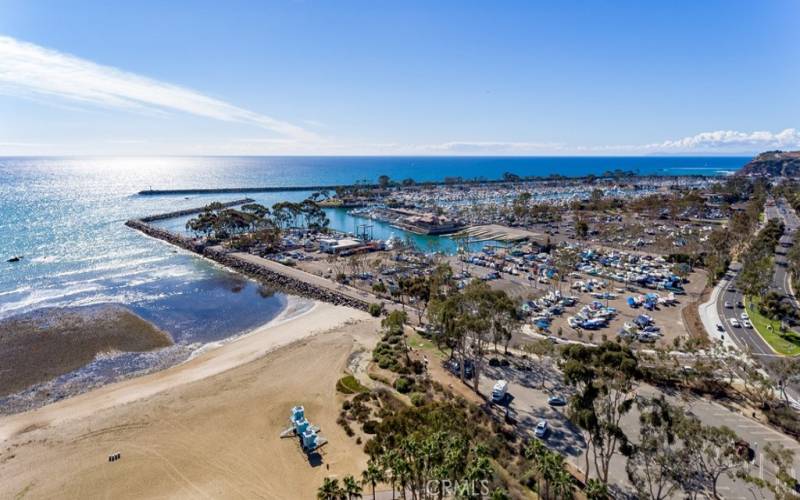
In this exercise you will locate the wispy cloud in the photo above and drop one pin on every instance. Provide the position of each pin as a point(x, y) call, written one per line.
point(492, 147)
point(28, 69)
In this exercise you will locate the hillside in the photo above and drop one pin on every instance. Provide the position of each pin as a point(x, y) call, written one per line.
point(774, 164)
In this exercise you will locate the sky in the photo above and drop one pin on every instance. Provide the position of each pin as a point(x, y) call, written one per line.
point(398, 78)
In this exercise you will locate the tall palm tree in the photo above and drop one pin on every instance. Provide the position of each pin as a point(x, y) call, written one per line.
point(351, 487)
point(372, 476)
point(329, 490)
point(387, 461)
point(402, 473)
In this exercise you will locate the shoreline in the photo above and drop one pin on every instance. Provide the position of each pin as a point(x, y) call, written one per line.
point(278, 332)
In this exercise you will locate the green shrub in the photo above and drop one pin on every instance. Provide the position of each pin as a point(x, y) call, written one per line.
point(375, 309)
point(417, 398)
point(370, 426)
point(403, 385)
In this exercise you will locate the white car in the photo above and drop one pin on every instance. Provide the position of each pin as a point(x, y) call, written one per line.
point(744, 315)
point(734, 322)
point(541, 429)
point(746, 323)
point(728, 305)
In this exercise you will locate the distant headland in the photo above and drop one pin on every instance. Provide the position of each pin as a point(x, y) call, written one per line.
point(773, 164)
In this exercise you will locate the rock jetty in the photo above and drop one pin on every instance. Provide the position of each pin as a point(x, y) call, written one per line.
point(275, 275)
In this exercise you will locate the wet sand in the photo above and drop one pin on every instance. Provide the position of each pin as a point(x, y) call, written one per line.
point(206, 428)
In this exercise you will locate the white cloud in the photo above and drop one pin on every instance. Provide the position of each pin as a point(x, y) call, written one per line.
point(721, 140)
point(28, 69)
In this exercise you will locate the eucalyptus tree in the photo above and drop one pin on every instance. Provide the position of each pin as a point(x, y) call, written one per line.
point(782, 483)
point(282, 214)
point(567, 259)
point(656, 463)
point(486, 313)
point(208, 221)
point(787, 371)
point(541, 348)
point(314, 216)
point(604, 377)
point(710, 453)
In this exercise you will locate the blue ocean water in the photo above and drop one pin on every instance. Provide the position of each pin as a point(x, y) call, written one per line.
point(66, 215)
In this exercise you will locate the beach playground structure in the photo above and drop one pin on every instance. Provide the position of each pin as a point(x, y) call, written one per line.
point(310, 440)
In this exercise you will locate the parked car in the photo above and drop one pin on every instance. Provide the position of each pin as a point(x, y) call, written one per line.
point(541, 429)
point(556, 401)
point(455, 368)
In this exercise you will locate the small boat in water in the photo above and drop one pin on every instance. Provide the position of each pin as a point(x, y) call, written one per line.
point(15, 258)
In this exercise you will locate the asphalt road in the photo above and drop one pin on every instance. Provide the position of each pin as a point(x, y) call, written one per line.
point(748, 338)
point(728, 309)
point(786, 213)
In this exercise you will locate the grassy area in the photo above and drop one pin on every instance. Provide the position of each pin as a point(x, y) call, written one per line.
point(787, 343)
point(417, 341)
point(350, 385)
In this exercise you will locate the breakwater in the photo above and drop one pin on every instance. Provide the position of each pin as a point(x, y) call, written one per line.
point(630, 179)
point(192, 211)
point(273, 274)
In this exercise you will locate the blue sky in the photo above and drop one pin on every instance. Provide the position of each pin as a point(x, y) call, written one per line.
point(379, 77)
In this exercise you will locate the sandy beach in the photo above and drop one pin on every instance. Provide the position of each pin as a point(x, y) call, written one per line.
point(206, 428)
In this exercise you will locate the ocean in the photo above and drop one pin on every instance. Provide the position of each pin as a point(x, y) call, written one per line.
point(66, 215)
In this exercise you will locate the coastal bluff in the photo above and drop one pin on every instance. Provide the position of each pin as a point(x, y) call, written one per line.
point(283, 278)
point(773, 164)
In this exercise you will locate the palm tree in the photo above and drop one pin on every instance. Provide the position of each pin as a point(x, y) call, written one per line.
point(329, 490)
point(351, 487)
point(562, 485)
point(372, 476)
point(596, 490)
point(402, 473)
point(535, 452)
point(387, 465)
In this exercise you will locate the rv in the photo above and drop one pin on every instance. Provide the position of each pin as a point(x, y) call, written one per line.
point(499, 391)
